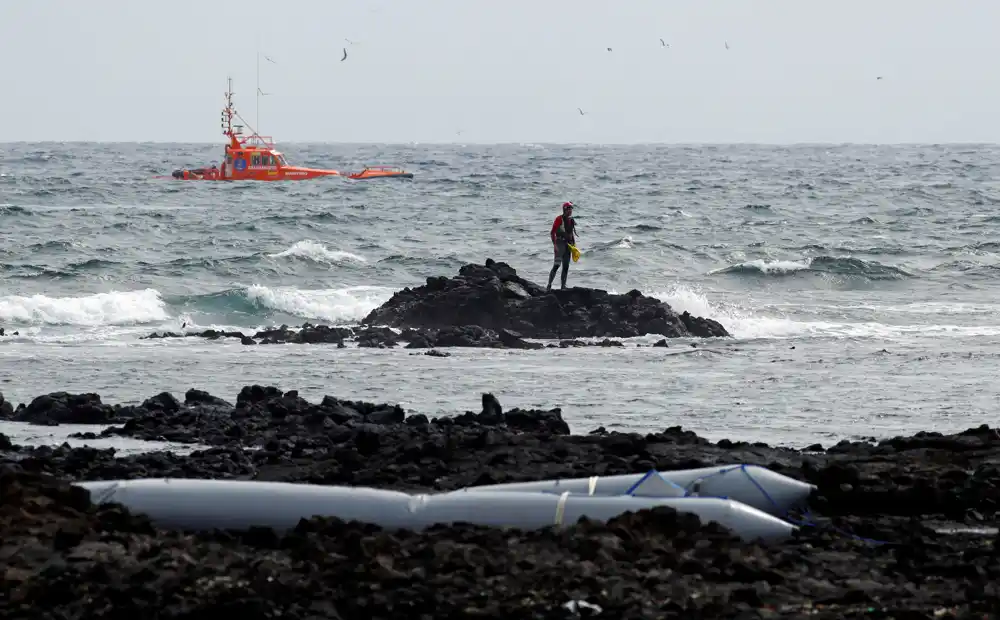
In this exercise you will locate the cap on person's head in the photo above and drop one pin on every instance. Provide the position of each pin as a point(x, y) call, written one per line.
point(568, 205)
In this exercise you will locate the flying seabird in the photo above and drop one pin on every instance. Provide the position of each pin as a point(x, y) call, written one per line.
point(727, 44)
point(268, 59)
point(663, 43)
point(581, 111)
point(345, 55)
point(609, 49)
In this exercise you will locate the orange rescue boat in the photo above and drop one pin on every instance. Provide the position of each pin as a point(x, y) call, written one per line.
point(254, 158)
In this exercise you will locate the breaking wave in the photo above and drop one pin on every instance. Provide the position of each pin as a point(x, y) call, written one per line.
point(317, 252)
point(234, 306)
point(112, 308)
point(828, 265)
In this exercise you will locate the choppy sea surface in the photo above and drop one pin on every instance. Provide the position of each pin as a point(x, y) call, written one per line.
point(861, 283)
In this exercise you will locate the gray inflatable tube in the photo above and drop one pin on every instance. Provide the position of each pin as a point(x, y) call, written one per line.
point(207, 504)
point(752, 485)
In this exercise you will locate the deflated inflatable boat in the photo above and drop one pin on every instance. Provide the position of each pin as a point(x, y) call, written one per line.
point(207, 504)
point(752, 485)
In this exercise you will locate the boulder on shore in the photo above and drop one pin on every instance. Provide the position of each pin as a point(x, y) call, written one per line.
point(494, 297)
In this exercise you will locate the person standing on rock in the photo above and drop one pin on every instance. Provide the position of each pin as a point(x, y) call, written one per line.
point(563, 235)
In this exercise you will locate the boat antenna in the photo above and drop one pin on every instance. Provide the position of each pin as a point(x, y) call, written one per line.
point(257, 104)
point(227, 112)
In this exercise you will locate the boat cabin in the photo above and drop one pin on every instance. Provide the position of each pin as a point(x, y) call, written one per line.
point(252, 156)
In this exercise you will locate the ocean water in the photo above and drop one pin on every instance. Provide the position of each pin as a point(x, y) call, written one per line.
point(861, 283)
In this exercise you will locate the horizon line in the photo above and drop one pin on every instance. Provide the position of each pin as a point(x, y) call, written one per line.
point(521, 143)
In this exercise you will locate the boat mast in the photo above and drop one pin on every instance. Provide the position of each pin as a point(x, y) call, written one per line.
point(257, 120)
point(227, 112)
point(228, 129)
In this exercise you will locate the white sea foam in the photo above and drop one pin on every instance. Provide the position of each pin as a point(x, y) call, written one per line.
point(317, 252)
point(334, 305)
point(747, 323)
point(765, 266)
point(112, 308)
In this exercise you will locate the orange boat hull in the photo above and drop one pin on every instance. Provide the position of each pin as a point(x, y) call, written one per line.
point(293, 173)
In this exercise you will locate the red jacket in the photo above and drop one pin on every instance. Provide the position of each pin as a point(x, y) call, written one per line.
point(564, 230)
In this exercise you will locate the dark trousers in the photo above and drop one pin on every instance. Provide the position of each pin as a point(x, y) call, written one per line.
point(561, 258)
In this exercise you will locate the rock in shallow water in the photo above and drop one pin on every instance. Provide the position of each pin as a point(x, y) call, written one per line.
point(65, 408)
point(492, 307)
point(493, 296)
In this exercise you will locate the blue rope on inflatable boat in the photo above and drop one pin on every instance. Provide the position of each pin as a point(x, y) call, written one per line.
point(648, 475)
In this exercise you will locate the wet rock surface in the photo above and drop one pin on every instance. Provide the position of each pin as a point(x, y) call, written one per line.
point(65, 558)
point(489, 306)
point(386, 338)
point(493, 296)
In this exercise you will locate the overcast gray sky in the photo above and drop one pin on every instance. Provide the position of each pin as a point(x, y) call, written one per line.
point(511, 71)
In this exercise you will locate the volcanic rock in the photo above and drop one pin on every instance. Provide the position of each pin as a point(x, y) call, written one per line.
point(65, 408)
point(864, 549)
point(6, 409)
point(953, 478)
point(466, 336)
point(494, 297)
point(67, 558)
point(377, 337)
point(307, 334)
point(491, 306)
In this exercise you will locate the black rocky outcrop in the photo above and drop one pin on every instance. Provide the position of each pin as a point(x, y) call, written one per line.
point(490, 306)
point(308, 333)
point(273, 434)
point(67, 558)
point(64, 557)
point(65, 408)
point(494, 297)
point(370, 337)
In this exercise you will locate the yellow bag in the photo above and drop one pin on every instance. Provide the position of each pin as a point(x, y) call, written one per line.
point(575, 253)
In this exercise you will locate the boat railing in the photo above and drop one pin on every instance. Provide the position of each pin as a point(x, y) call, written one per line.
point(256, 140)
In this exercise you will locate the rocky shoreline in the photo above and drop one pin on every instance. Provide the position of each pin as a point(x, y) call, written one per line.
point(67, 558)
point(491, 306)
